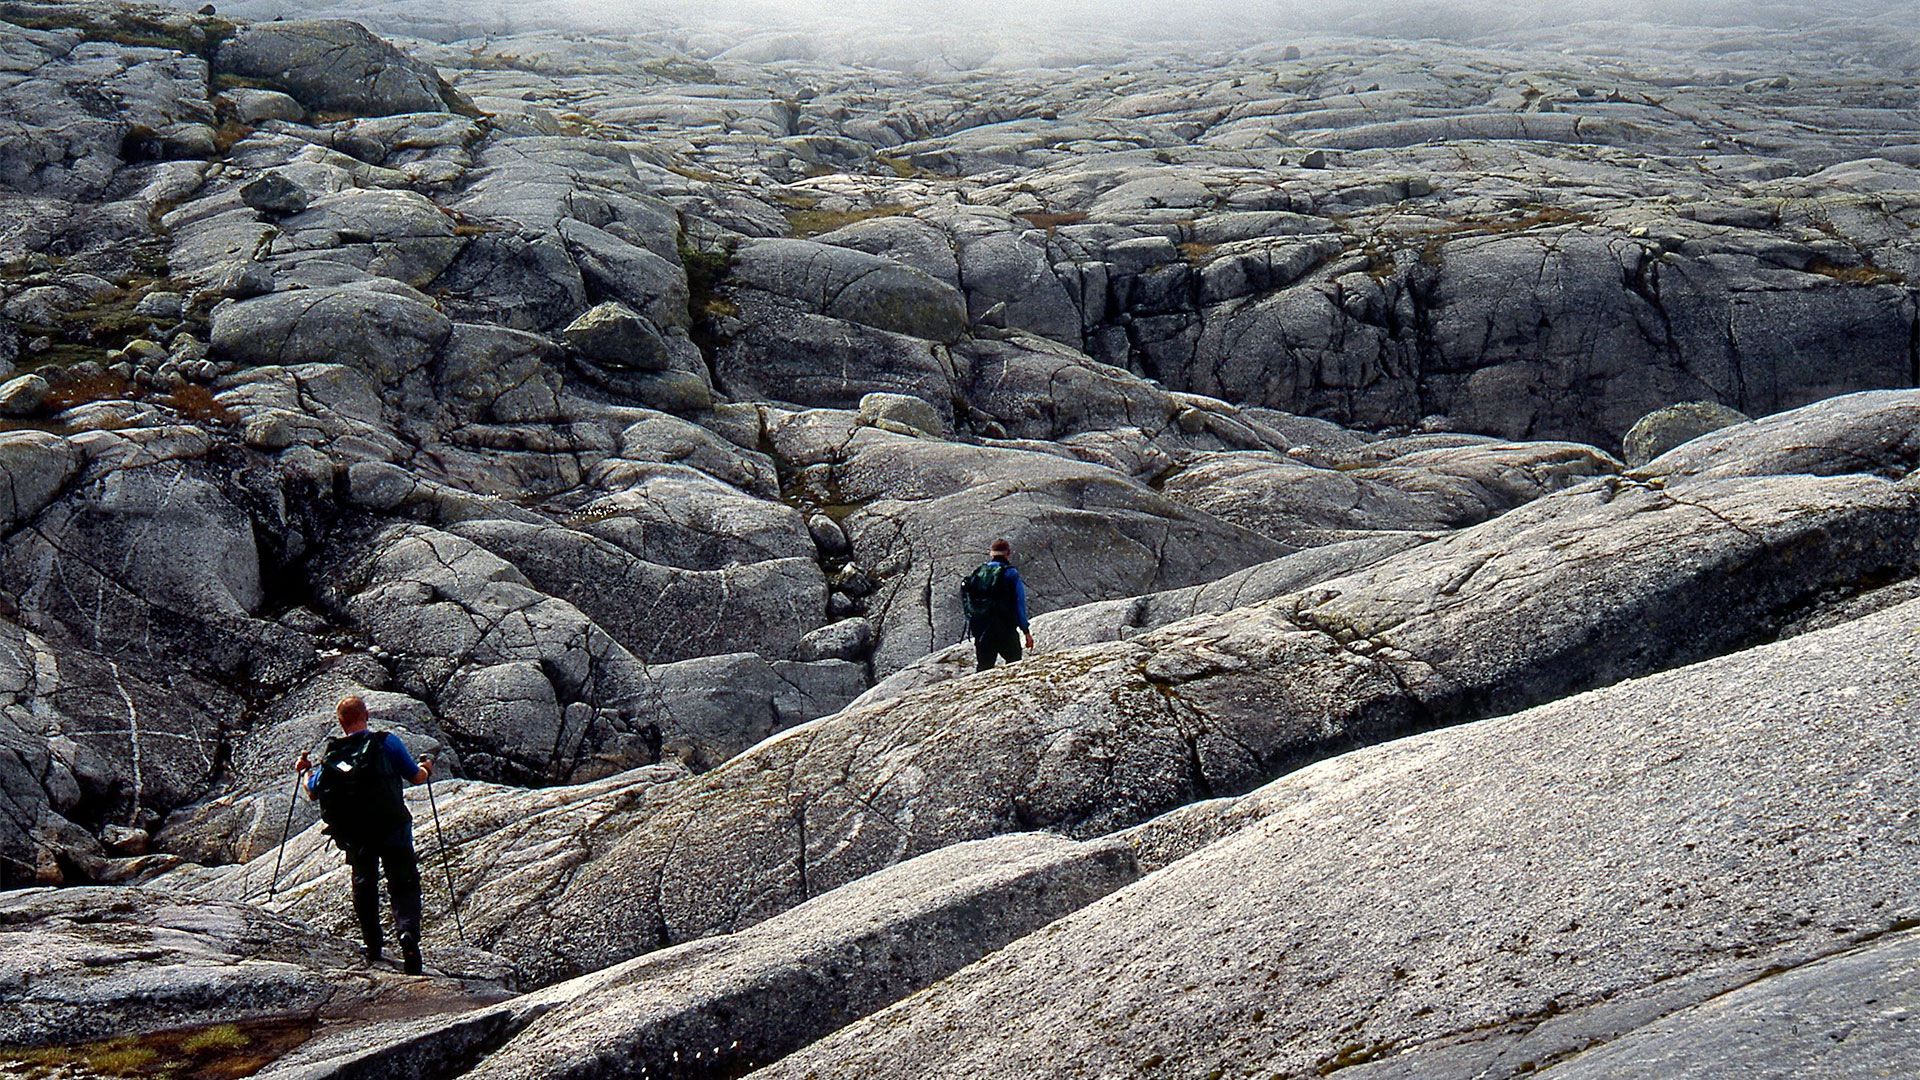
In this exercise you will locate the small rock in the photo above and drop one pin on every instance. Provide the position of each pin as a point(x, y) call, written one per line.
point(828, 536)
point(145, 349)
point(123, 840)
point(200, 371)
point(854, 580)
point(274, 193)
point(306, 620)
point(1663, 429)
point(1316, 159)
point(913, 412)
point(24, 396)
point(841, 606)
point(1292, 53)
point(40, 344)
point(849, 639)
point(241, 280)
point(614, 335)
point(161, 305)
point(252, 106)
point(87, 370)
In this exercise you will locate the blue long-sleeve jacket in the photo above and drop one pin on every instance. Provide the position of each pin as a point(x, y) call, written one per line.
point(1019, 596)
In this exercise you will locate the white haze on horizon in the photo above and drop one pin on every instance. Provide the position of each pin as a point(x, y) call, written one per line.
point(1214, 20)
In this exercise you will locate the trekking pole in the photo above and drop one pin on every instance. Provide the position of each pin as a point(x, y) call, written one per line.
point(285, 831)
point(446, 863)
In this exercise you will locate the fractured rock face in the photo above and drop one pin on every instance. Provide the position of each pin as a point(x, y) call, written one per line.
point(332, 65)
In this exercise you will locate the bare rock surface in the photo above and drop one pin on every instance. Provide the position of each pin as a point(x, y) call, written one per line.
point(1560, 879)
point(720, 1006)
point(616, 401)
point(87, 964)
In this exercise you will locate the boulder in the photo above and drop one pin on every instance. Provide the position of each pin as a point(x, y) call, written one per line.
point(386, 330)
point(614, 269)
point(775, 356)
point(848, 639)
point(1871, 432)
point(1281, 496)
point(613, 335)
point(903, 409)
point(331, 65)
point(275, 193)
point(37, 466)
point(1663, 429)
point(251, 105)
point(842, 283)
point(23, 396)
point(658, 611)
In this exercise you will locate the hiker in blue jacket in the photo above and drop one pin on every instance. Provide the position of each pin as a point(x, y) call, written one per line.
point(358, 785)
point(996, 606)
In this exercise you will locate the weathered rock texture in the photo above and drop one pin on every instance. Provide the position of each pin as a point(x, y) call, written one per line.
point(616, 408)
point(1551, 881)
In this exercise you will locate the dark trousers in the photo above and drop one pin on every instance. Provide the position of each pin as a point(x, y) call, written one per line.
point(403, 889)
point(992, 642)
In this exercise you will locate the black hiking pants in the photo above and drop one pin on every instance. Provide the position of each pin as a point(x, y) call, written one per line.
point(993, 642)
point(403, 889)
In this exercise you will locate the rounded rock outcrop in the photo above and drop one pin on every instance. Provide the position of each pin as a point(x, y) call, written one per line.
point(1663, 429)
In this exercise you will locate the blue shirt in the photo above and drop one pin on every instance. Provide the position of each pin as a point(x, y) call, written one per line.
point(1019, 595)
point(403, 766)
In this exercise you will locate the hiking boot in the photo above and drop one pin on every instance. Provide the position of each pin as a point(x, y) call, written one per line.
point(410, 958)
point(373, 954)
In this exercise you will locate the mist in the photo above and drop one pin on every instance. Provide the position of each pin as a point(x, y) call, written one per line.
point(849, 23)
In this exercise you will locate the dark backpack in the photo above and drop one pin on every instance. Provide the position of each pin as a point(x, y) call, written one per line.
point(359, 790)
point(987, 594)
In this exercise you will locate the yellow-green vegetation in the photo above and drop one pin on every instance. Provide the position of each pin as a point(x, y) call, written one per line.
point(1522, 219)
point(1053, 219)
point(681, 69)
point(1350, 1055)
point(1864, 273)
point(811, 221)
point(1194, 250)
point(217, 1037)
point(199, 35)
point(216, 1052)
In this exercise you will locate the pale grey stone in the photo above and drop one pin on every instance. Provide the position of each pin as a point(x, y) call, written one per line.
point(1663, 429)
point(332, 64)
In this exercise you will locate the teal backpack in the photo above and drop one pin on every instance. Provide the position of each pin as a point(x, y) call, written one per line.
point(985, 593)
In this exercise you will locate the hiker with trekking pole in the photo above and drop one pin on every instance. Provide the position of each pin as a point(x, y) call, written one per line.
point(358, 785)
point(995, 600)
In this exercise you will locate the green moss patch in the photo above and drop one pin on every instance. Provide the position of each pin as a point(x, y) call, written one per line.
point(210, 1052)
point(198, 35)
point(809, 221)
